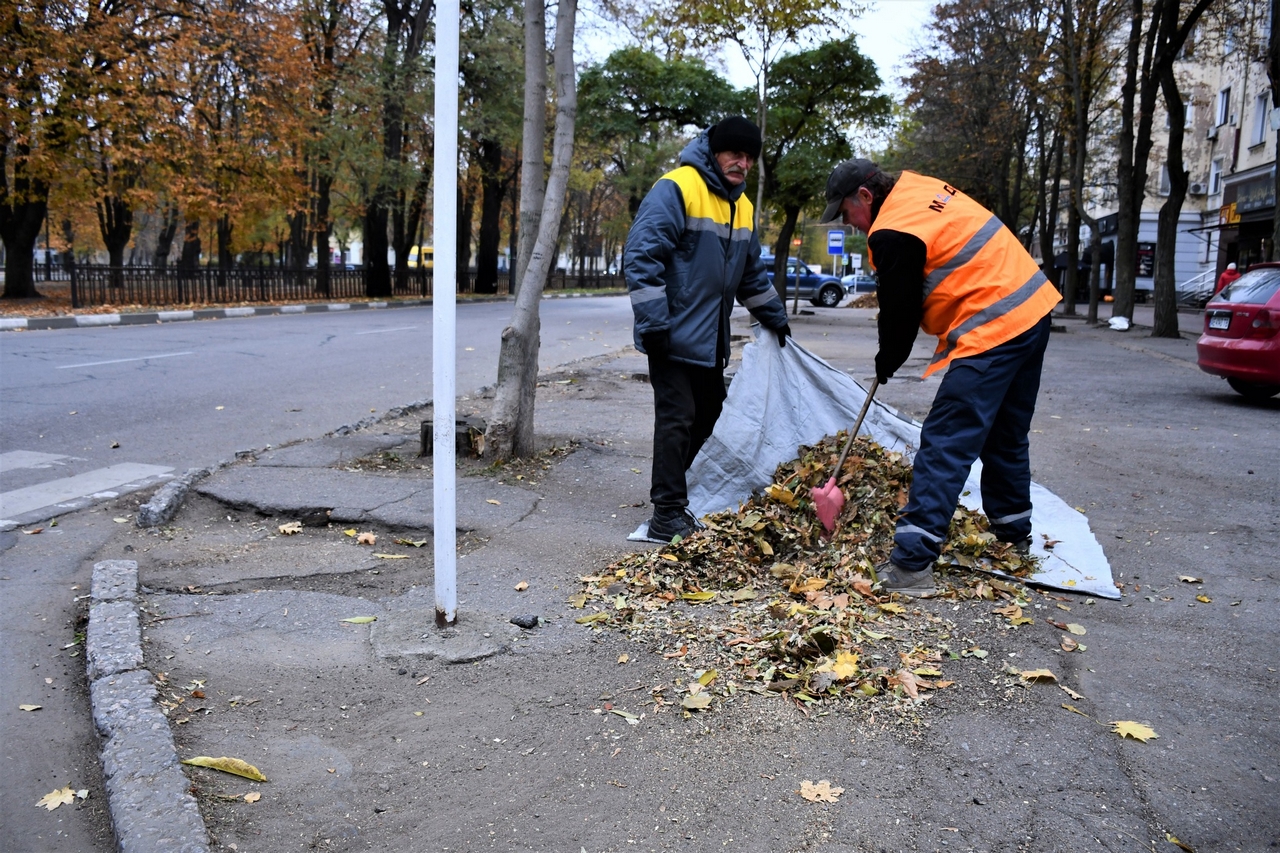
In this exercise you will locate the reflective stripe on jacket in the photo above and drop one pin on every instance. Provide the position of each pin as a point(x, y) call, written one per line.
point(981, 288)
point(692, 250)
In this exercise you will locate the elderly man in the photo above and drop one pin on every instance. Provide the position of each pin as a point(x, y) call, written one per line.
point(692, 248)
point(951, 267)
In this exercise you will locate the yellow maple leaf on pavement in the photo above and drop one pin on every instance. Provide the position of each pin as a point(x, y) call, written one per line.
point(820, 792)
point(1137, 731)
point(60, 797)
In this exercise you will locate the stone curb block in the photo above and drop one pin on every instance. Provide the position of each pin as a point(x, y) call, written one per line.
point(164, 503)
point(117, 645)
point(151, 808)
point(115, 580)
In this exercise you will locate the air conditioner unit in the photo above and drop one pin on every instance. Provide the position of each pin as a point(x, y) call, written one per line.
point(1198, 188)
point(1213, 132)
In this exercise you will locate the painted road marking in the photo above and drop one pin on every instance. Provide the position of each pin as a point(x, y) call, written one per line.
point(123, 360)
point(380, 331)
point(89, 484)
point(15, 459)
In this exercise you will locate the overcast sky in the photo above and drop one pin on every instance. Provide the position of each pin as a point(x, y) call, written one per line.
point(886, 33)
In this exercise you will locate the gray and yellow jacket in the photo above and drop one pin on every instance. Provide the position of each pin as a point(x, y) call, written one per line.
point(690, 251)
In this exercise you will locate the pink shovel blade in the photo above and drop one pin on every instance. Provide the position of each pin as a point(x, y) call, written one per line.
point(827, 503)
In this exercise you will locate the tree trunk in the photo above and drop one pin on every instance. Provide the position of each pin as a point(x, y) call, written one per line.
point(466, 210)
point(115, 224)
point(533, 142)
point(377, 272)
point(492, 189)
point(1126, 258)
point(21, 228)
point(1049, 222)
point(1166, 293)
point(164, 240)
point(226, 260)
point(1164, 41)
point(510, 431)
point(782, 249)
point(191, 247)
point(1071, 278)
point(22, 212)
point(1095, 271)
point(323, 227)
point(762, 113)
point(299, 243)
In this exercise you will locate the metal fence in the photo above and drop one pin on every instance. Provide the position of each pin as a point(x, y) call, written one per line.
point(93, 284)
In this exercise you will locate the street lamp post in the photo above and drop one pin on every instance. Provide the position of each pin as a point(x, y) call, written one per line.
point(444, 312)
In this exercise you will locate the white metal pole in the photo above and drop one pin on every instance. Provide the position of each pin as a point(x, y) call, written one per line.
point(444, 311)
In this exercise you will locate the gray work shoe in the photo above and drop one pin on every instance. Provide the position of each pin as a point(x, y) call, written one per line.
point(1022, 547)
point(894, 578)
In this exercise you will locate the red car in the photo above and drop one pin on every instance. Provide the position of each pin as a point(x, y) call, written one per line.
point(1241, 339)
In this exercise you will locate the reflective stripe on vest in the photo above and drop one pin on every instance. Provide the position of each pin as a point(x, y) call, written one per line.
point(981, 288)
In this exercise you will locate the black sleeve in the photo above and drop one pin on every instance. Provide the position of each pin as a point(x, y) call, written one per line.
point(899, 262)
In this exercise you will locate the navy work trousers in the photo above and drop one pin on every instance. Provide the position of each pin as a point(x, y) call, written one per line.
point(982, 411)
point(686, 405)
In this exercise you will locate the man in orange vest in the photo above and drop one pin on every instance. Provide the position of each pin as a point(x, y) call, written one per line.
point(949, 266)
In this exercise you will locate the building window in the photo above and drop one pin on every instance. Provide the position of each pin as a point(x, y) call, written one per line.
point(1164, 179)
point(1224, 107)
point(1260, 110)
point(1215, 176)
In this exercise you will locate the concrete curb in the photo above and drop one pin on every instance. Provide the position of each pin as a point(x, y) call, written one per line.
point(82, 321)
point(165, 502)
point(147, 792)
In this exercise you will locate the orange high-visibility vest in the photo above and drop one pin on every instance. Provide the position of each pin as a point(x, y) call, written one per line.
point(981, 288)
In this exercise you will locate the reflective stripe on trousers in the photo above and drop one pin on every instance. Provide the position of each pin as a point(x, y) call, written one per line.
point(982, 411)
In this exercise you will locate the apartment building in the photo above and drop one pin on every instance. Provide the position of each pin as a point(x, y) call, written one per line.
point(1242, 166)
point(1228, 149)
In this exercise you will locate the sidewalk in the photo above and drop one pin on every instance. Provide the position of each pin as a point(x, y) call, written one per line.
point(392, 735)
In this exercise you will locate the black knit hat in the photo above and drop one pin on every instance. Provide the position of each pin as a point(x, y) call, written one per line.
point(844, 181)
point(736, 134)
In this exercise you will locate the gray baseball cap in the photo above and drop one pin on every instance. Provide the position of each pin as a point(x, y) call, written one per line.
point(844, 181)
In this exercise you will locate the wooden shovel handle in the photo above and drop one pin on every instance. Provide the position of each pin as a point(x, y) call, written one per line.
point(857, 425)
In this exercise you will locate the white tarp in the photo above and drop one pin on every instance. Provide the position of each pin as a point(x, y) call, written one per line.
point(783, 397)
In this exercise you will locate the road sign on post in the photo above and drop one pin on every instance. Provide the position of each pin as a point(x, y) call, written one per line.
point(835, 242)
point(444, 313)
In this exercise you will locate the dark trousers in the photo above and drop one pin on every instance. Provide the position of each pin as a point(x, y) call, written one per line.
point(686, 404)
point(982, 411)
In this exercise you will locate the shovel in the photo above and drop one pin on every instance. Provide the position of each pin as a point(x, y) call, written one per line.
point(828, 500)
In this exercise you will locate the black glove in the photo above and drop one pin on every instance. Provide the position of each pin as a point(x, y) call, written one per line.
point(883, 373)
point(657, 344)
point(783, 332)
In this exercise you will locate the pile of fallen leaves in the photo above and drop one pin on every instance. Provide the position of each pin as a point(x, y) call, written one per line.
point(763, 600)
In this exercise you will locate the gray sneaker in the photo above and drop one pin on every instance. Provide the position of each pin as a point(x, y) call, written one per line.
point(894, 578)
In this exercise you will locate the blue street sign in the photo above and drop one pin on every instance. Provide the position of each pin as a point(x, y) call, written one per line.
point(835, 242)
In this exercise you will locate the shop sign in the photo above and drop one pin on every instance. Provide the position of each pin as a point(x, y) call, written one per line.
point(1228, 215)
point(1146, 260)
point(1256, 194)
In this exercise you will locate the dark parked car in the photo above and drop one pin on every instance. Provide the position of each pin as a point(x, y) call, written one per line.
point(1241, 339)
point(860, 283)
point(818, 288)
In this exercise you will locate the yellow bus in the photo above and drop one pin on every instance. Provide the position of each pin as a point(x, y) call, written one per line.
point(423, 252)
